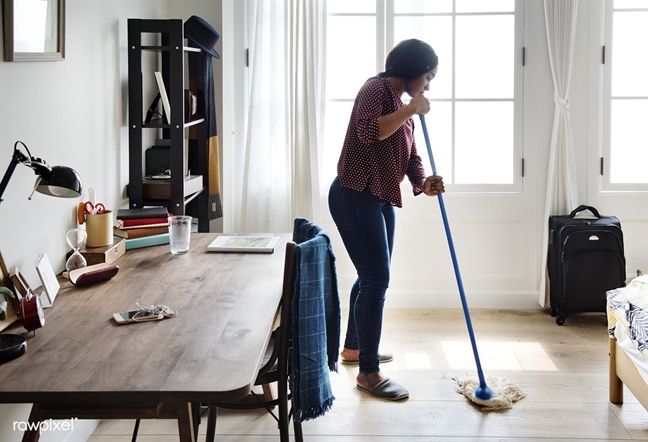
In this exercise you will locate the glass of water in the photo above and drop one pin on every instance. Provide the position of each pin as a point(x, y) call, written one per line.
point(179, 234)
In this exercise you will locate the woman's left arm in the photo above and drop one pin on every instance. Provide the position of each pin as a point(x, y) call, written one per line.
point(430, 185)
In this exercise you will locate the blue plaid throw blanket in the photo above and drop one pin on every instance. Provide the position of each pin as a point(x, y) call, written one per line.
point(316, 322)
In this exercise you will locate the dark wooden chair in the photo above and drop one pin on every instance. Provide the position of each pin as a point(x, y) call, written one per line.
point(276, 366)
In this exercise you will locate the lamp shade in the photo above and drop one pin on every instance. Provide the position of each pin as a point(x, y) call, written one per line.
point(61, 181)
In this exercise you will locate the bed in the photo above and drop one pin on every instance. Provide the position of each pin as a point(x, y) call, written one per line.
point(627, 313)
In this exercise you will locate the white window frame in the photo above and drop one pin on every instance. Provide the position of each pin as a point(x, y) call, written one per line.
point(385, 25)
point(606, 110)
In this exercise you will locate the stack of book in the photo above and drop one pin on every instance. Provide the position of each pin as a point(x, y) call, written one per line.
point(143, 227)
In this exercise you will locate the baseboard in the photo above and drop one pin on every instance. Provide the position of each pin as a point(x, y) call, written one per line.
point(420, 299)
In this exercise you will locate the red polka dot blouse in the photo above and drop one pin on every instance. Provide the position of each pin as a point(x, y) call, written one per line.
point(379, 165)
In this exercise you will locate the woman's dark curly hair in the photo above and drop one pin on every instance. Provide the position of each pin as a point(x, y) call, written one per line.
point(410, 59)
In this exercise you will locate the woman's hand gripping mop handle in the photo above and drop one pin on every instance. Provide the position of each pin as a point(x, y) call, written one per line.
point(482, 392)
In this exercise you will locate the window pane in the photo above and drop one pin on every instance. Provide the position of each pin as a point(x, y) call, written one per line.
point(347, 68)
point(439, 126)
point(484, 143)
point(437, 32)
point(629, 4)
point(485, 56)
point(349, 7)
point(485, 5)
point(337, 120)
point(629, 144)
point(630, 54)
point(422, 6)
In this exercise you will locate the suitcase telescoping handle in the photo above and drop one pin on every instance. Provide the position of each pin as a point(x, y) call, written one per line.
point(584, 207)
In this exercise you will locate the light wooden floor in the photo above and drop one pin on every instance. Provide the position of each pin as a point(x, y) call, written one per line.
point(563, 370)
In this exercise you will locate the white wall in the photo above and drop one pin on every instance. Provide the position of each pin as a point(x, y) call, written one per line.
point(71, 112)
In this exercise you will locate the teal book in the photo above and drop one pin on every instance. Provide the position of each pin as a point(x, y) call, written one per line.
point(147, 241)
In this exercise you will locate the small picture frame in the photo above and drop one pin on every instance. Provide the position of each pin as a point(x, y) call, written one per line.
point(20, 283)
point(51, 285)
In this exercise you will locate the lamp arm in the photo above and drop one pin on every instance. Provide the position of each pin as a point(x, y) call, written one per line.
point(16, 158)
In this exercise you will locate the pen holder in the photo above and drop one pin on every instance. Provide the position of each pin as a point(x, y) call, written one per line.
point(99, 228)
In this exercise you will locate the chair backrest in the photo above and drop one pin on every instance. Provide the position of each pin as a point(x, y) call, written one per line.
point(283, 336)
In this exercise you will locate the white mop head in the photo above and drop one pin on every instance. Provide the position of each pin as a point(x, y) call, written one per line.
point(504, 392)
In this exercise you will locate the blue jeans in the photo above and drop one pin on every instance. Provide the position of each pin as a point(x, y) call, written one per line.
point(366, 224)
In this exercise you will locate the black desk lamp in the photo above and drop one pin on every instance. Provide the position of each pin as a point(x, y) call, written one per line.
point(59, 181)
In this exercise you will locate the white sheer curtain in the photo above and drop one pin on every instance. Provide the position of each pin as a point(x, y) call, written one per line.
point(285, 118)
point(562, 196)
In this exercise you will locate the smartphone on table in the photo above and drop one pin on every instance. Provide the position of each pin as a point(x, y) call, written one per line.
point(136, 316)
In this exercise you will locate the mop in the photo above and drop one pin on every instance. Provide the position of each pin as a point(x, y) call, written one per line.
point(502, 392)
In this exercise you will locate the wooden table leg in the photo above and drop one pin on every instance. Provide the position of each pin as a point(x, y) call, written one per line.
point(32, 434)
point(185, 422)
point(211, 423)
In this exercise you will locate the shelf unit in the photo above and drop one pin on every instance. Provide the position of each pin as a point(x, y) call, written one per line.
point(172, 55)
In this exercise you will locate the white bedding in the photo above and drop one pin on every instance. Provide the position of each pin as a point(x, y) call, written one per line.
point(628, 321)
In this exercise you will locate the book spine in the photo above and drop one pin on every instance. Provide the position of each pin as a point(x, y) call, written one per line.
point(152, 212)
point(145, 226)
point(146, 241)
point(143, 222)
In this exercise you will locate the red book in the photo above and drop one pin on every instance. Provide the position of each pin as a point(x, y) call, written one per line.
point(142, 222)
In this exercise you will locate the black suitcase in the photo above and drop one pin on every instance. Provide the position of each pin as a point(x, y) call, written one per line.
point(585, 260)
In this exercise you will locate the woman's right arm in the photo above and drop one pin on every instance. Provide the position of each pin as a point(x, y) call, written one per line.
point(388, 124)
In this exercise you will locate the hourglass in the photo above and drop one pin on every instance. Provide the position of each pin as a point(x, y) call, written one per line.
point(75, 239)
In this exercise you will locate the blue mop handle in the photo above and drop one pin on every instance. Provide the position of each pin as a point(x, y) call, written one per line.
point(482, 381)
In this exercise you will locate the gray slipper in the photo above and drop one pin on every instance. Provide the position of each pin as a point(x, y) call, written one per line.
point(382, 358)
point(387, 389)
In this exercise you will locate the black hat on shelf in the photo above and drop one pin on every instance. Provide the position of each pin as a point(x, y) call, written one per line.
point(202, 33)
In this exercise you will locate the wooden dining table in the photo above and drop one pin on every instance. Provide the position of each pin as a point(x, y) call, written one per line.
point(83, 365)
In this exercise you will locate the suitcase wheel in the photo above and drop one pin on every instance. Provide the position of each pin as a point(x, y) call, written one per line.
point(560, 320)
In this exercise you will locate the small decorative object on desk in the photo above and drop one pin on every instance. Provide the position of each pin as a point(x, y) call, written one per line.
point(31, 309)
point(107, 254)
point(244, 244)
point(11, 347)
point(8, 313)
point(99, 227)
point(93, 274)
point(48, 279)
point(76, 239)
point(99, 223)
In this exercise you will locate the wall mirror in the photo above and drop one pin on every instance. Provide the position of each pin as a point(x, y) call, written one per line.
point(34, 30)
